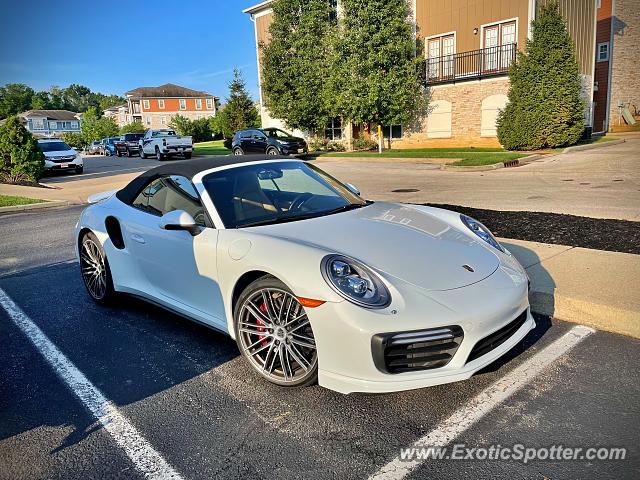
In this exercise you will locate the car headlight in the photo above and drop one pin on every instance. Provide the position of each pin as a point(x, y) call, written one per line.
point(481, 231)
point(355, 282)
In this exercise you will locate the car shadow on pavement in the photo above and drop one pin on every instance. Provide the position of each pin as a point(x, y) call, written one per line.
point(130, 352)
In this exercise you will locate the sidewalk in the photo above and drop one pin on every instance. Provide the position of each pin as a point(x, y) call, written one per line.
point(590, 287)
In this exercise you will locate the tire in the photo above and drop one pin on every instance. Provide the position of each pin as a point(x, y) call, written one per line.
point(142, 154)
point(159, 155)
point(95, 271)
point(187, 156)
point(272, 151)
point(280, 355)
point(118, 153)
point(238, 151)
point(80, 169)
point(129, 153)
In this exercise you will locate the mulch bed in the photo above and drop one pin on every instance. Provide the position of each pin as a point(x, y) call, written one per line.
point(595, 233)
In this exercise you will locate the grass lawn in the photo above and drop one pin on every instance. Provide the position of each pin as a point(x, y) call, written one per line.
point(10, 201)
point(468, 156)
point(214, 147)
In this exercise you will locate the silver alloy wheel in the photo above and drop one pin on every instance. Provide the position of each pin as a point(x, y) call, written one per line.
point(272, 151)
point(94, 272)
point(237, 151)
point(276, 335)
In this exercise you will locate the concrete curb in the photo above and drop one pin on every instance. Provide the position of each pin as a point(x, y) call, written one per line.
point(602, 317)
point(483, 168)
point(577, 148)
point(36, 206)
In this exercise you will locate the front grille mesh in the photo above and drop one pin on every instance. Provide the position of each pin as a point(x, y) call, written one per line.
point(497, 338)
point(416, 350)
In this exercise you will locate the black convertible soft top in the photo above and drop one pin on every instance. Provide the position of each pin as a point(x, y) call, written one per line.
point(188, 169)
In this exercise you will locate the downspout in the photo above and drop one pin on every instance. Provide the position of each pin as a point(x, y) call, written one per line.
point(610, 67)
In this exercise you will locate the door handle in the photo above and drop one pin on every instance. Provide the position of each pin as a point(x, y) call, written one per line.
point(137, 238)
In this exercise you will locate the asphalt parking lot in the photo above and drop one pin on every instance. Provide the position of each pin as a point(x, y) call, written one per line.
point(187, 391)
point(96, 166)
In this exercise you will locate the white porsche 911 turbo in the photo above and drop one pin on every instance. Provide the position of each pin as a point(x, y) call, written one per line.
point(313, 282)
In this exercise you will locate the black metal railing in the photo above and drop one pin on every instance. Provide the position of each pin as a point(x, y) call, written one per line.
point(472, 65)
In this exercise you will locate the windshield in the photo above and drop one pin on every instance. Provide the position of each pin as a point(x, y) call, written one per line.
point(276, 133)
point(128, 137)
point(53, 146)
point(276, 192)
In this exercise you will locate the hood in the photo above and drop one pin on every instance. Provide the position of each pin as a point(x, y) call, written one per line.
point(403, 242)
point(60, 153)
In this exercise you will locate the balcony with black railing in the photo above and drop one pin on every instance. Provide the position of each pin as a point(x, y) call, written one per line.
point(473, 65)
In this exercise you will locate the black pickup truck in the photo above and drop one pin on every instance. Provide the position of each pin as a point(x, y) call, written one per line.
point(128, 144)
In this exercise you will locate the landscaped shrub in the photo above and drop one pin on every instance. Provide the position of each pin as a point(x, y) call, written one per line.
point(21, 158)
point(364, 144)
point(227, 143)
point(545, 109)
point(333, 146)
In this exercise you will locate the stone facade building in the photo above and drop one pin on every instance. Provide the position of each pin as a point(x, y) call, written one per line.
point(469, 46)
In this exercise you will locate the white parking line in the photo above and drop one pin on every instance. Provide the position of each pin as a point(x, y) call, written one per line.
point(145, 458)
point(484, 402)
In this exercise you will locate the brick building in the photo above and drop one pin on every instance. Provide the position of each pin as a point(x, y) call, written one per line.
point(469, 46)
point(617, 58)
point(155, 106)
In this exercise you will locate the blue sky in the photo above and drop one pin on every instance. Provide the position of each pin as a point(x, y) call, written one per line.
point(114, 46)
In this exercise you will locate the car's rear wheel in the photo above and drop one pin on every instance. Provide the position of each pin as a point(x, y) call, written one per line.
point(272, 151)
point(274, 334)
point(94, 267)
point(238, 151)
point(159, 155)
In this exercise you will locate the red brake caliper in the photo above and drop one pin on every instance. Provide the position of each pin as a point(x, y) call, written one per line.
point(261, 328)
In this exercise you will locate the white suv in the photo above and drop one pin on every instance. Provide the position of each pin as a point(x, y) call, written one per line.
point(60, 156)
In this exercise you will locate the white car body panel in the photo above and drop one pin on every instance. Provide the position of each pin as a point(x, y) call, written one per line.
point(71, 158)
point(418, 252)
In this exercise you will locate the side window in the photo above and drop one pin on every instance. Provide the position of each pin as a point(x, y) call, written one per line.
point(170, 193)
point(246, 134)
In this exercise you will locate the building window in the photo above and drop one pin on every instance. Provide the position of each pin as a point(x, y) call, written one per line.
point(53, 125)
point(209, 103)
point(148, 120)
point(440, 51)
point(163, 120)
point(75, 125)
point(183, 104)
point(598, 3)
point(333, 131)
point(498, 42)
point(161, 103)
point(145, 104)
point(603, 52)
point(394, 130)
point(198, 104)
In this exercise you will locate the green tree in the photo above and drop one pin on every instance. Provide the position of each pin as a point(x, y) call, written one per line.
point(79, 98)
point(15, 98)
point(21, 158)
point(94, 127)
point(298, 63)
point(74, 139)
point(199, 129)
point(378, 70)
point(180, 124)
point(41, 101)
point(545, 107)
point(107, 101)
point(239, 111)
point(133, 127)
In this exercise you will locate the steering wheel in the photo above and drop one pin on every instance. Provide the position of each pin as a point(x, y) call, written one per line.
point(299, 201)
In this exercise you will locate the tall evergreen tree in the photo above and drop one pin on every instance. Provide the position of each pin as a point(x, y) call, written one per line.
point(297, 63)
point(378, 74)
point(545, 106)
point(239, 111)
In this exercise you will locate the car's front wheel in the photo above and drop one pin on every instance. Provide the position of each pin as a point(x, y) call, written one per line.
point(80, 169)
point(95, 271)
point(272, 151)
point(274, 334)
point(129, 154)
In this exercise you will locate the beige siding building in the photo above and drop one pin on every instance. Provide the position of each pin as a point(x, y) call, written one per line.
point(469, 46)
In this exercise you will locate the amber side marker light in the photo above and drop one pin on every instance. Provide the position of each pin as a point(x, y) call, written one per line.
point(310, 302)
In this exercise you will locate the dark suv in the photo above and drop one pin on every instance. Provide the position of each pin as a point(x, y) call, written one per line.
point(128, 144)
point(271, 141)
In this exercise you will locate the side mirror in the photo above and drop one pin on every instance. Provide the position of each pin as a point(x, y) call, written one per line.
point(180, 220)
point(352, 188)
